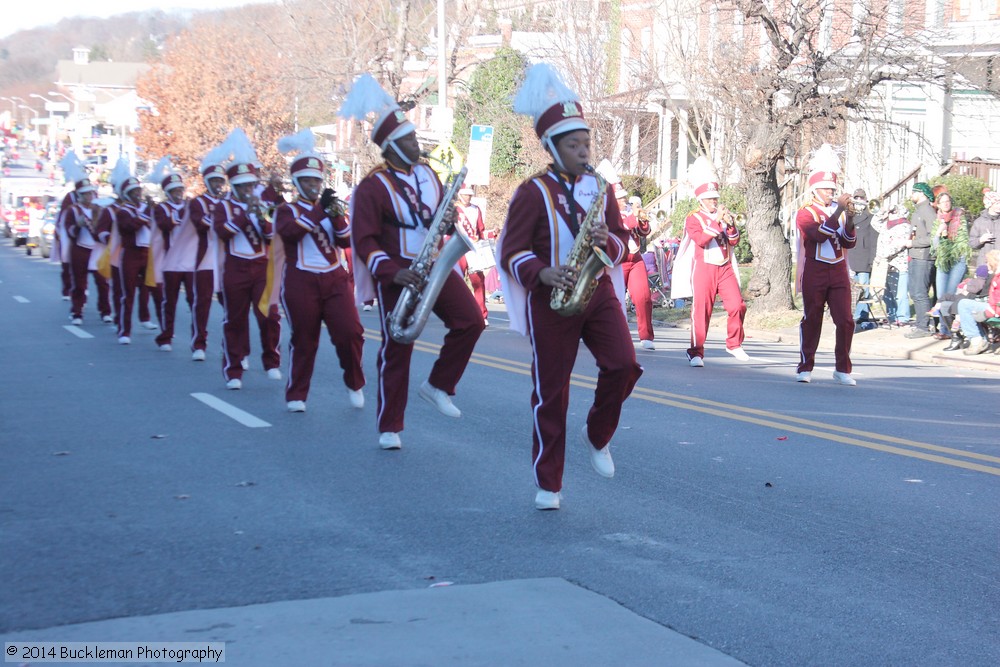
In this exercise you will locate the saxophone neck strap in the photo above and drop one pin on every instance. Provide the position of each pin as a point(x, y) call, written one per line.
point(411, 197)
point(574, 213)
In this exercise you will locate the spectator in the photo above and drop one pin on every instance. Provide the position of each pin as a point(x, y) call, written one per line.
point(986, 228)
point(862, 255)
point(978, 286)
point(972, 312)
point(950, 237)
point(894, 231)
point(922, 221)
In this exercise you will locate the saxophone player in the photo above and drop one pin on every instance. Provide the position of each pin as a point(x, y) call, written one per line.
point(244, 235)
point(391, 211)
point(548, 214)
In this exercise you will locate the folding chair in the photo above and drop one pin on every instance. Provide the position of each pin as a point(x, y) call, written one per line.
point(876, 293)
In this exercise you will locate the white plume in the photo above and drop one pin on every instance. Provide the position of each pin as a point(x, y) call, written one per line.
point(160, 171)
point(702, 171)
point(825, 158)
point(73, 169)
point(366, 97)
point(119, 174)
point(240, 148)
point(301, 142)
point(216, 156)
point(608, 172)
point(542, 87)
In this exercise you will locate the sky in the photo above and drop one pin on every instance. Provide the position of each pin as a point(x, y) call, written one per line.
point(19, 15)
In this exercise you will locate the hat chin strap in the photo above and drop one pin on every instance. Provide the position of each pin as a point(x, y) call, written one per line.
point(551, 148)
point(399, 153)
point(302, 192)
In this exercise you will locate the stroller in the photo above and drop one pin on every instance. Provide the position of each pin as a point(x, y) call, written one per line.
point(659, 264)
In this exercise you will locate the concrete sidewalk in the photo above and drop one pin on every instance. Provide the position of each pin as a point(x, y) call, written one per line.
point(511, 623)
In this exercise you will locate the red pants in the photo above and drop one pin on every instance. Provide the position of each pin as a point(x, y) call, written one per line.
point(310, 300)
point(457, 309)
point(167, 311)
point(131, 274)
point(707, 281)
point(116, 293)
point(65, 280)
point(555, 343)
point(825, 285)
point(637, 284)
point(242, 287)
point(204, 284)
point(79, 260)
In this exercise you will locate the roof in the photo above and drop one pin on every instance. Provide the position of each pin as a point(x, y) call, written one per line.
point(108, 74)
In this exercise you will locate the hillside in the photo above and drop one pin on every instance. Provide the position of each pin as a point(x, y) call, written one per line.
point(28, 58)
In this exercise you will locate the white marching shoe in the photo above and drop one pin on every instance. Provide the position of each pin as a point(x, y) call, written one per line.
point(235, 383)
point(647, 344)
point(366, 307)
point(547, 500)
point(124, 340)
point(696, 362)
point(296, 406)
point(245, 363)
point(804, 376)
point(273, 374)
point(439, 399)
point(167, 347)
point(600, 459)
point(739, 353)
point(198, 355)
point(149, 325)
point(77, 321)
point(389, 440)
point(356, 397)
point(107, 319)
point(844, 379)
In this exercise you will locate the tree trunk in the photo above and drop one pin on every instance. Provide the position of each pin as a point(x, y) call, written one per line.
point(770, 288)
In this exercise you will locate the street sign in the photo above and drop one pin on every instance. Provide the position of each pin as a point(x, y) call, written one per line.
point(446, 158)
point(480, 150)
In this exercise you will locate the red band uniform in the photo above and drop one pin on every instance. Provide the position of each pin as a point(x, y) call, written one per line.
point(470, 217)
point(170, 218)
point(133, 224)
point(636, 277)
point(201, 211)
point(713, 273)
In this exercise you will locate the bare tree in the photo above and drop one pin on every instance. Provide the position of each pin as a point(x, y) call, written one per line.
point(764, 78)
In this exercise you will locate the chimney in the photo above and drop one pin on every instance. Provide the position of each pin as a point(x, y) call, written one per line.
point(81, 55)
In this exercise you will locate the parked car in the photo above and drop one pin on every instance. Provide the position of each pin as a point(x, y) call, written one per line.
point(42, 233)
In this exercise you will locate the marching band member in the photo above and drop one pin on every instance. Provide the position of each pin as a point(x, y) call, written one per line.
point(470, 217)
point(78, 220)
point(241, 226)
point(706, 267)
point(62, 246)
point(825, 231)
point(315, 287)
point(200, 211)
point(633, 266)
point(133, 223)
point(173, 249)
point(545, 216)
point(391, 211)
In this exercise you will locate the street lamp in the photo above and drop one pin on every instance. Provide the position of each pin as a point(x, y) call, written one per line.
point(76, 105)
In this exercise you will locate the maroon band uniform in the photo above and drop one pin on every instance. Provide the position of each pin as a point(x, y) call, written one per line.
point(244, 276)
point(713, 272)
point(537, 235)
point(391, 210)
point(317, 290)
point(471, 219)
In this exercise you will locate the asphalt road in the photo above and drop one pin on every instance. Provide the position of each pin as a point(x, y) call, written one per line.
point(781, 523)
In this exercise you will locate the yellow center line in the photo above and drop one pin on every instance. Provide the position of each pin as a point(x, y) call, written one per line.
point(766, 418)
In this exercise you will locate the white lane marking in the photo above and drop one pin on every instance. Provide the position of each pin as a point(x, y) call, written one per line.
point(232, 411)
point(77, 331)
point(21, 299)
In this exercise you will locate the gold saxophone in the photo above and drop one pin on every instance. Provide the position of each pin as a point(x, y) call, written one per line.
point(433, 263)
point(587, 258)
